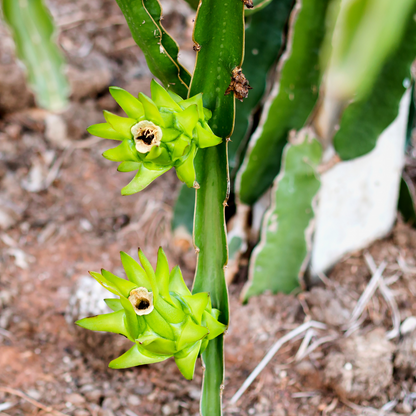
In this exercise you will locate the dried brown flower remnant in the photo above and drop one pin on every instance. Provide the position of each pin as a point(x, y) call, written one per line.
point(239, 84)
point(146, 135)
point(248, 3)
point(142, 301)
point(196, 47)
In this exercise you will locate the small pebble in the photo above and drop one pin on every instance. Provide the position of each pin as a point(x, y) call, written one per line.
point(133, 400)
point(74, 398)
point(111, 403)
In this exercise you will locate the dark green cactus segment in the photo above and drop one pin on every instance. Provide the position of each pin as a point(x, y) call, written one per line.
point(258, 5)
point(264, 36)
point(406, 203)
point(193, 3)
point(364, 120)
point(159, 49)
point(157, 312)
point(183, 211)
point(291, 101)
point(221, 51)
point(159, 133)
point(279, 258)
point(167, 41)
point(33, 32)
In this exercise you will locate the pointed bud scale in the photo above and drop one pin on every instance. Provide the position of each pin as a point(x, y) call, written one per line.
point(105, 131)
point(186, 360)
point(160, 132)
point(114, 304)
point(186, 171)
point(119, 124)
point(143, 178)
point(158, 313)
point(131, 105)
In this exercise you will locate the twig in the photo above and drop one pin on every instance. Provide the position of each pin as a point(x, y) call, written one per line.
point(6, 406)
point(316, 344)
point(328, 409)
point(20, 394)
point(303, 394)
point(290, 335)
point(304, 345)
point(6, 333)
point(367, 294)
point(388, 296)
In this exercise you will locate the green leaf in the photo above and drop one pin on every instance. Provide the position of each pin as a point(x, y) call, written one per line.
point(151, 111)
point(114, 304)
point(159, 49)
point(176, 282)
point(195, 100)
point(123, 286)
point(365, 119)
point(150, 274)
point(187, 119)
point(169, 134)
point(191, 333)
point(124, 152)
point(171, 312)
point(105, 283)
point(161, 97)
point(291, 101)
point(186, 171)
point(159, 325)
point(186, 360)
point(264, 37)
point(175, 97)
point(197, 304)
point(136, 355)
point(135, 273)
point(109, 322)
point(162, 275)
point(33, 33)
point(215, 327)
point(279, 258)
point(162, 346)
point(105, 131)
point(143, 178)
point(131, 105)
point(132, 320)
point(122, 125)
point(206, 138)
point(128, 166)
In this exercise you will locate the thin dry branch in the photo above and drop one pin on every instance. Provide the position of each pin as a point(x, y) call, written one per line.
point(389, 298)
point(20, 394)
point(367, 294)
point(289, 336)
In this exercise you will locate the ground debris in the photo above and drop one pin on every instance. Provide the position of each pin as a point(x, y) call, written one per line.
point(362, 367)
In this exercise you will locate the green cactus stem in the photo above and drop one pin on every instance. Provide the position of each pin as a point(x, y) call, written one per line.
point(158, 313)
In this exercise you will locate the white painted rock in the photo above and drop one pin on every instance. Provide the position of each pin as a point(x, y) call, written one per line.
point(358, 199)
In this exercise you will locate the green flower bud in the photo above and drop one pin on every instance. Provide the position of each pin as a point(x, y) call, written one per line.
point(158, 313)
point(157, 134)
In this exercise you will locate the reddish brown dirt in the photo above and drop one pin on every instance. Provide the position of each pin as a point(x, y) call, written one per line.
point(79, 222)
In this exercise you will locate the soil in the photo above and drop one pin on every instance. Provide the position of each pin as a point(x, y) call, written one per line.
point(61, 215)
